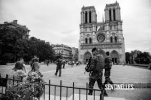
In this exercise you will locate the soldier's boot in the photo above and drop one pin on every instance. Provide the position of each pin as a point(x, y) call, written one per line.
point(103, 90)
point(108, 80)
point(105, 93)
point(90, 92)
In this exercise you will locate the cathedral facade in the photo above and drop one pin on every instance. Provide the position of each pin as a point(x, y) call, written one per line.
point(107, 35)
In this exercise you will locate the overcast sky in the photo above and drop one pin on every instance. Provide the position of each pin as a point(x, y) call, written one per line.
point(57, 21)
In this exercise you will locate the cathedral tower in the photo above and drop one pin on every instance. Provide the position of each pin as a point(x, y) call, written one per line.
point(107, 36)
point(88, 15)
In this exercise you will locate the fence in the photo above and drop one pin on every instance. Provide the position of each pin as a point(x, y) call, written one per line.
point(5, 81)
point(58, 92)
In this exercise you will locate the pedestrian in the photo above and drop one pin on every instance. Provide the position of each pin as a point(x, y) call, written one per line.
point(95, 70)
point(35, 69)
point(19, 69)
point(108, 65)
point(35, 78)
point(59, 65)
point(63, 62)
point(33, 60)
point(47, 62)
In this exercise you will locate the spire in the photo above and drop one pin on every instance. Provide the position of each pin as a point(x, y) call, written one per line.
point(117, 2)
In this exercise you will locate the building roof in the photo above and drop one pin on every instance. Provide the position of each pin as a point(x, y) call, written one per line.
point(88, 7)
point(112, 4)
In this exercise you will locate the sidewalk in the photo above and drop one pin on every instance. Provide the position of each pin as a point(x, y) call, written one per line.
point(76, 97)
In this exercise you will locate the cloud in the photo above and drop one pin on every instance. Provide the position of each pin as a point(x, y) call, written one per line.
point(72, 37)
point(57, 21)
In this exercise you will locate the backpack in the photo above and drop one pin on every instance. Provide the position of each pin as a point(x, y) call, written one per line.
point(88, 67)
point(95, 64)
point(99, 63)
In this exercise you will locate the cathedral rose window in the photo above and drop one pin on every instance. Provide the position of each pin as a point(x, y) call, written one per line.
point(100, 37)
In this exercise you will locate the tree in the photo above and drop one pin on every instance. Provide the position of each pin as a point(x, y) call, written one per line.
point(138, 57)
point(127, 54)
point(143, 58)
point(10, 33)
point(14, 43)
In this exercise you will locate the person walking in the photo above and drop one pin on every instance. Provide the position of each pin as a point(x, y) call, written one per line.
point(47, 62)
point(33, 60)
point(108, 65)
point(58, 68)
point(35, 78)
point(35, 68)
point(64, 63)
point(95, 69)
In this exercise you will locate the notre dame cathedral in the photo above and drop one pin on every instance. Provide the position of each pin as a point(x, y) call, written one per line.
point(107, 35)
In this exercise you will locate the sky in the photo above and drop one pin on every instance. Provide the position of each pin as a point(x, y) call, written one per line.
point(57, 21)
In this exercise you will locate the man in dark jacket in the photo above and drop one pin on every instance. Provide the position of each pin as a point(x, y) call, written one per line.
point(96, 66)
point(63, 63)
point(59, 64)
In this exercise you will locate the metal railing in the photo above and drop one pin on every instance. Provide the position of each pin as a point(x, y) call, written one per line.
point(57, 92)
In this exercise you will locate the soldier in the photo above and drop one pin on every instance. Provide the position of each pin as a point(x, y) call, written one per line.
point(95, 68)
point(59, 64)
point(108, 65)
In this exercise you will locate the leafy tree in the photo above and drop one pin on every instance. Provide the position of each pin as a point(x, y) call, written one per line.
point(143, 58)
point(14, 43)
point(10, 33)
point(127, 54)
point(138, 57)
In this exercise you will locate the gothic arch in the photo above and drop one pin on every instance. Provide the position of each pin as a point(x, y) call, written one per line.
point(86, 41)
point(110, 16)
point(87, 55)
point(111, 39)
point(89, 16)
point(114, 14)
point(115, 38)
point(115, 57)
point(86, 14)
point(90, 40)
point(114, 34)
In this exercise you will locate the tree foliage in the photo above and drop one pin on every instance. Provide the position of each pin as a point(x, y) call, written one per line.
point(138, 57)
point(15, 43)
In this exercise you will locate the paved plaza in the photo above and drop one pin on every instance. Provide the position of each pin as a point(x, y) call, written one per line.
point(77, 74)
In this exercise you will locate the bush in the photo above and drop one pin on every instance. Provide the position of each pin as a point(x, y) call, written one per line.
point(25, 90)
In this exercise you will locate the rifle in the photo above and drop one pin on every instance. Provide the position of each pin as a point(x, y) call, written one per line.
point(87, 68)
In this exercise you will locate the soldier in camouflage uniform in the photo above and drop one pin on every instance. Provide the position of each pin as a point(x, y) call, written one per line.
point(95, 67)
point(108, 65)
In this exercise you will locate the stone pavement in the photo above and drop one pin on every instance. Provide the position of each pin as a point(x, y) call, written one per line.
point(82, 97)
point(119, 74)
